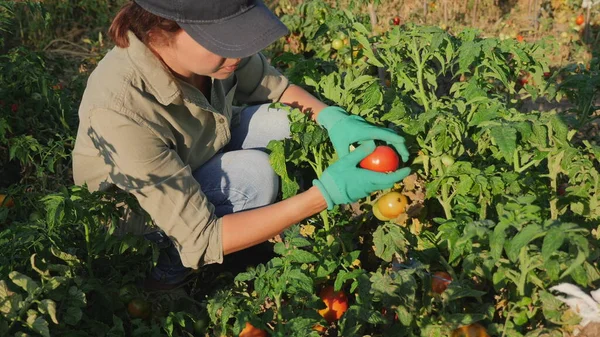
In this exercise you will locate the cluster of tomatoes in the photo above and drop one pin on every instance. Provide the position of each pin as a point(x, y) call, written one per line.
point(392, 204)
point(341, 44)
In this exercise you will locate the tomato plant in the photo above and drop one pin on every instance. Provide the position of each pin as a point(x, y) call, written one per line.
point(503, 192)
point(382, 159)
point(336, 304)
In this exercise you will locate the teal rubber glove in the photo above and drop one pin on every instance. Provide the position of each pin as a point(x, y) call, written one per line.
point(343, 182)
point(345, 129)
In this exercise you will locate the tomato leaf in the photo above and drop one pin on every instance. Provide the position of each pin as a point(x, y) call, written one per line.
point(524, 237)
point(388, 239)
point(552, 242)
point(506, 139)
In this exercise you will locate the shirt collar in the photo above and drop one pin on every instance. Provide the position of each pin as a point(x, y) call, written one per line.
point(155, 73)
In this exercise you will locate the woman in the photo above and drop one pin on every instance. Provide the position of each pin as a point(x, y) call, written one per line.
point(157, 120)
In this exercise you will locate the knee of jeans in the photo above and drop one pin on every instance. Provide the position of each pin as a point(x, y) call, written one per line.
point(263, 179)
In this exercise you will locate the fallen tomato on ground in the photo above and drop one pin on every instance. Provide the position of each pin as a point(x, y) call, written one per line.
point(336, 302)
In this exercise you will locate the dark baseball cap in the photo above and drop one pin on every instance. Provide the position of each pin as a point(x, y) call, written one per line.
point(228, 28)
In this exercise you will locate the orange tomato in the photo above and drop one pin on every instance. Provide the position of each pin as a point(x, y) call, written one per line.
point(336, 302)
point(520, 38)
point(440, 281)
point(6, 202)
point(471, 330)
point(392, 204)
point(319, 328)
point(251, 331)
point(579, 20)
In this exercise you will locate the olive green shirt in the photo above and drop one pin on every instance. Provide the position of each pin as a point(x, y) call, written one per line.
point(145, 131)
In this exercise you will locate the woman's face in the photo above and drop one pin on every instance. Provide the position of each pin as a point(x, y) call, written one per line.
point(187, 57)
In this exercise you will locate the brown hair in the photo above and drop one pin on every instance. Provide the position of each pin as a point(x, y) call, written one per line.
point(132, 17)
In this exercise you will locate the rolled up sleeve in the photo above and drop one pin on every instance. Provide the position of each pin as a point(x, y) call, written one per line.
point(259, 81)
point(146, 165)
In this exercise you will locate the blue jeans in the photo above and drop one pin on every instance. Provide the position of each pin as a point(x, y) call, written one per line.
point(238, 178)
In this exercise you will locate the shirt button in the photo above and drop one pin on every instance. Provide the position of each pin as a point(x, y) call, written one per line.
point(221, 120)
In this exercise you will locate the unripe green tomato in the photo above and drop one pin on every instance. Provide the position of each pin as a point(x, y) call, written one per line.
point(348, 59)
point(337, 44)
point(447, 160)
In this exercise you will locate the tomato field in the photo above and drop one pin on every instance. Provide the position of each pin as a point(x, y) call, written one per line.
point(503, 202)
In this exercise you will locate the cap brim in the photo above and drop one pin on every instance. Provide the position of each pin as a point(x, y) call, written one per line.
point(240, 36)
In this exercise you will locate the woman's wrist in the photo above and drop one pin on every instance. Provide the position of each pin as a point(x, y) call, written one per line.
point(319, 201)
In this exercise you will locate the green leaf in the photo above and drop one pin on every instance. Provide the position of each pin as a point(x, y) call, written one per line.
point(10, 302)
point(367, 51)
point(48, 307)
point(302, 256)
point(579, 259)
point(527, 234)
point(39, 325)
point(552, 242)
point(388, 239)
point(506, 139)
point(72, 316)
point(24, 281)
point(463, 319)
point(300, 280)
point(277, 160)
point(455, 292)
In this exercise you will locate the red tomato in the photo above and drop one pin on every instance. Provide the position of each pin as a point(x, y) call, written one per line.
point(391, 205)
point(383, 159)
point(139, 308)
point(580, 20)
point(251, 331)
point(336, 302)
point(520, 38)
point(440, 281)
point(396, 21)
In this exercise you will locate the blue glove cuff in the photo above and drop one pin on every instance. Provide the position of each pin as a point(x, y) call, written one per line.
point(332, 194)
point(329, 116)
point(321, 188)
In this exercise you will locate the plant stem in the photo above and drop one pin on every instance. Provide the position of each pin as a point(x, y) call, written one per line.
point(418, 62)
point(88, 244)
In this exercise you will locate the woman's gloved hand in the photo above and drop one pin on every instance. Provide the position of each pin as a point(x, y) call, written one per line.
point(345, 129)
point(343, 182)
